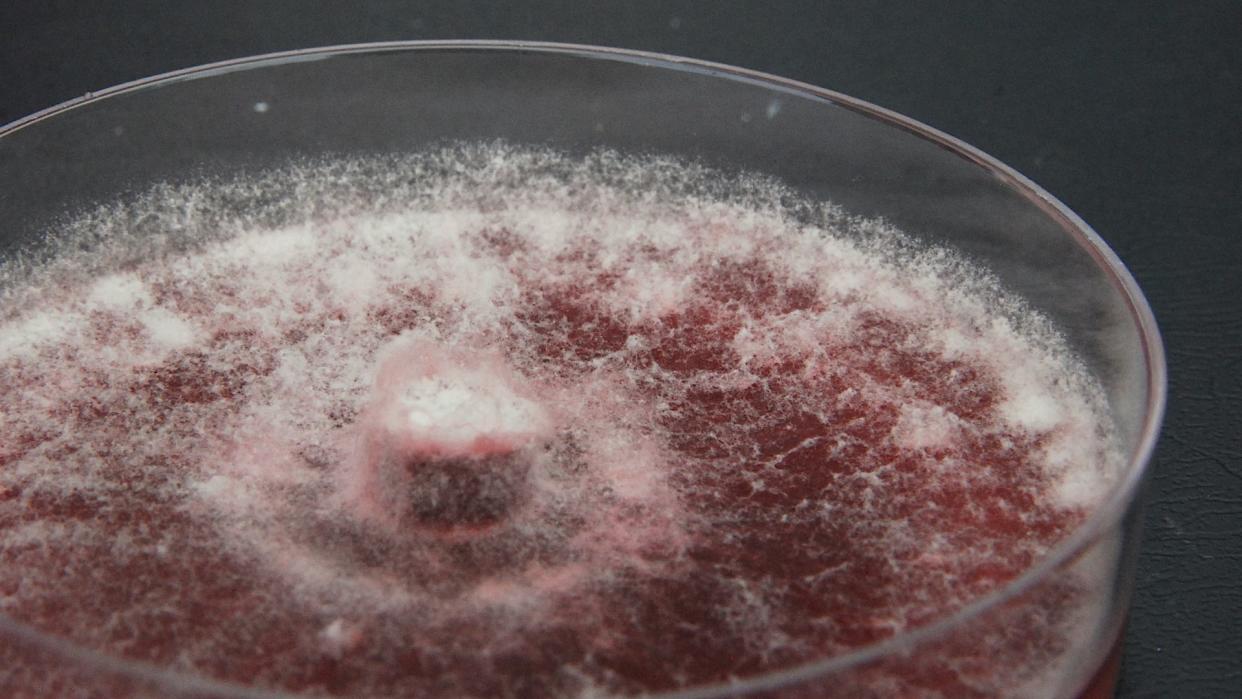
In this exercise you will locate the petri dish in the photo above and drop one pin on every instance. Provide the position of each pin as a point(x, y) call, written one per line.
point(143, 173)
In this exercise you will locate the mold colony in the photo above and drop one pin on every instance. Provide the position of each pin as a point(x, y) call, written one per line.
point(501, 422)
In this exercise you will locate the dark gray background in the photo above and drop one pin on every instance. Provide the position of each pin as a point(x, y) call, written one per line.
point(1127, 111)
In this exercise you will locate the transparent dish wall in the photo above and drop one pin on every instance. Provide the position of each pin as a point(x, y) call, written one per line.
point(257, 115)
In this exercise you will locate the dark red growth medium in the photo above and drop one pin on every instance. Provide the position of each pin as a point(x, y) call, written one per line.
point(563, 446)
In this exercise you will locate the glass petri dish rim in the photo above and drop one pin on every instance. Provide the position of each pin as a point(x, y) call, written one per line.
point(1098, 523)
